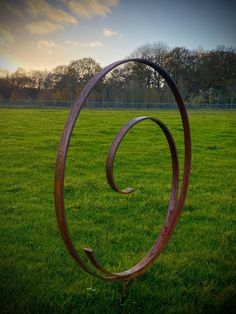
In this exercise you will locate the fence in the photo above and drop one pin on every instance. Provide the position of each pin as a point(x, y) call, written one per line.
point(109, 105)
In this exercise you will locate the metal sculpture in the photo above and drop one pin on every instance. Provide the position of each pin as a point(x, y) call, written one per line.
point(177, 197)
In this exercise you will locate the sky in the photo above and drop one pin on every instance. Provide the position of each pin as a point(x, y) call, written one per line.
point(42, 34)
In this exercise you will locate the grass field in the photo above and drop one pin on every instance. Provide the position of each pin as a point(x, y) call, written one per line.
point(195, 273)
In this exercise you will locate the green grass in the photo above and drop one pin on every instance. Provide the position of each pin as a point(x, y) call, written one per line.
point(195, 273)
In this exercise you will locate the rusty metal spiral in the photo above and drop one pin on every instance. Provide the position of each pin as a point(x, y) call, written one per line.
point(177, 196)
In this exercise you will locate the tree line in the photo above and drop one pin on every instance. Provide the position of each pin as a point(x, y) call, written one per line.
point(202, 77)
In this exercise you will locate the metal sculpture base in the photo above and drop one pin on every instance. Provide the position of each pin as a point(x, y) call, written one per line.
point(177, 197)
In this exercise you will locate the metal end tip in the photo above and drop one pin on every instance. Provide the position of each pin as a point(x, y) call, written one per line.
point(88, 250)
point(128, 190)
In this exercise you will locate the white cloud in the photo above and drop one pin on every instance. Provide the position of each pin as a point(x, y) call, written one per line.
point(72, 43)
point(48, 46)
point(89, 8)
point(109, 33)
point(5, 35)
point(43, 27)
point(44, 9)
point(92, 44)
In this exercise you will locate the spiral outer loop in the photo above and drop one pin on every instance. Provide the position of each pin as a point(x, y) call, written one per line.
point(177, 197)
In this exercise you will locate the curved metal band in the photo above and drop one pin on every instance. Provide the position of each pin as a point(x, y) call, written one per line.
point(115, 145)
point(175, 205)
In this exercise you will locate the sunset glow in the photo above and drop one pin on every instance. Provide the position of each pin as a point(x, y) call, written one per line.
point(45, 33)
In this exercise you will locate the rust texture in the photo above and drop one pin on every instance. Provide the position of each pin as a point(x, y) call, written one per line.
point(178, 194)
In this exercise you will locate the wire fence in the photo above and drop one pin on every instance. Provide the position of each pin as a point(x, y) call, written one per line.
point(108, 105)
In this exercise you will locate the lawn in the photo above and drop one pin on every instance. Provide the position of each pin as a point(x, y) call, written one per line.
point(196, 271)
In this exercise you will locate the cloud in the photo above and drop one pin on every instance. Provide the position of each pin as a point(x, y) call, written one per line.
point(5, 35)
point(47, 46)
point(92, 44)
point(43, 27)
point(14, 10)
point(89, 8)
point(72, 43)
point(44, 9)
point(109, 33)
